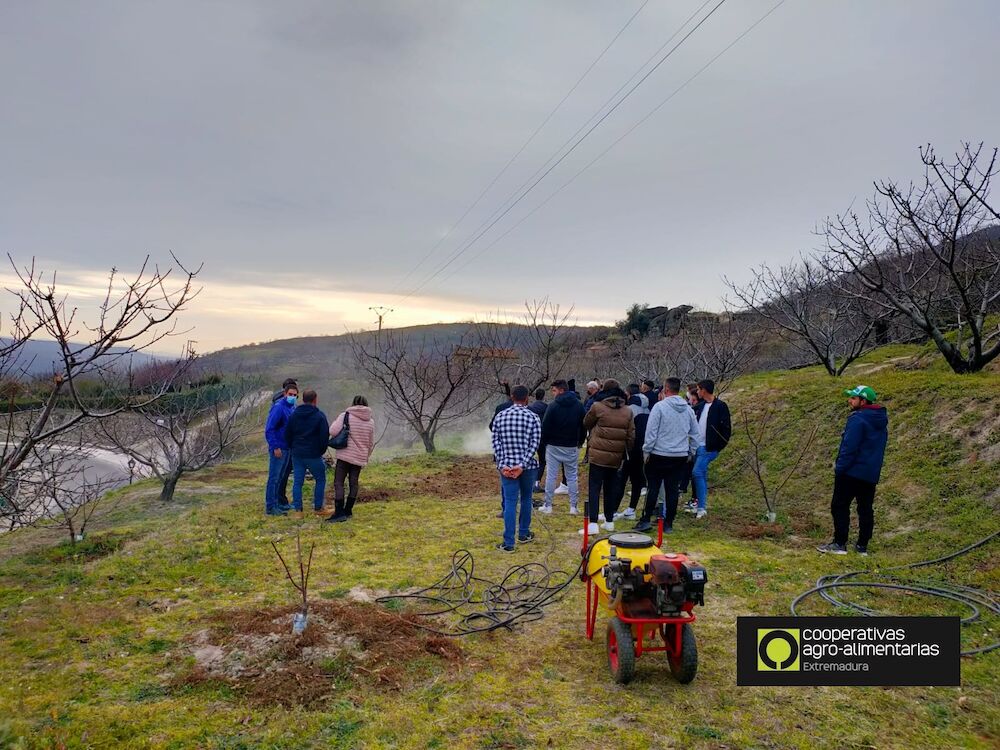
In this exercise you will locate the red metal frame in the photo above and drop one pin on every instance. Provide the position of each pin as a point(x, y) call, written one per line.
point(639, 624)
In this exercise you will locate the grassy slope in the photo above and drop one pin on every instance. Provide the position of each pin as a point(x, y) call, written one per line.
point(87, 646)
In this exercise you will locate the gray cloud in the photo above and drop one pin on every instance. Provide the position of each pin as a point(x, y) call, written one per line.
point(329, 145)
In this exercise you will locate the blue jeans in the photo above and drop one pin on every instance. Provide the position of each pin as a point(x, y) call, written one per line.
point(700, 474)
point(276, 468)
point(511, 489)
point(318, 469)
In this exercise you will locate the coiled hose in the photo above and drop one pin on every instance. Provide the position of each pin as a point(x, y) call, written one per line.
point(976, 601)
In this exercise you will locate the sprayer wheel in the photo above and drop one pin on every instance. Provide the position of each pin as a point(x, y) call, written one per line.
point(684, 666)
point(621, 651)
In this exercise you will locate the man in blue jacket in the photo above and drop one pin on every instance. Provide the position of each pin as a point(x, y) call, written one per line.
point(279, 458)
point(307, 434)
point(857, 471)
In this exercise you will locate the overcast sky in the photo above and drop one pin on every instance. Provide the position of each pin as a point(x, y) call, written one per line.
point(312, 153)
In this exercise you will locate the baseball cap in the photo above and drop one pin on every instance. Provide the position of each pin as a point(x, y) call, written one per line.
point(864, 392)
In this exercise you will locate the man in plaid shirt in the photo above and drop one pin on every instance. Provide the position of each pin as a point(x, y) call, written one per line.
point(516, 434)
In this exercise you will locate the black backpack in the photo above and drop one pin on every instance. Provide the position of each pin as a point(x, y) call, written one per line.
point(339, 440)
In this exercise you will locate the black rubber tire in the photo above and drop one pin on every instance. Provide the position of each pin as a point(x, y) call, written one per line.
point(621, 644)
point(685, 666)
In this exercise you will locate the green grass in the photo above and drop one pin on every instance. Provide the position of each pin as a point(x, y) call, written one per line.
point(91, 636)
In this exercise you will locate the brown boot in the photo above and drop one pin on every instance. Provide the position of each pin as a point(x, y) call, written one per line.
point(323, 512)
point(295, 515)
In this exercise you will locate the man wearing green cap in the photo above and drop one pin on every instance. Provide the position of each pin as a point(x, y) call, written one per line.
point(858, 467)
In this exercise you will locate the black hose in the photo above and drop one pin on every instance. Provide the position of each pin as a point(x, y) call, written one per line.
point(975, 600)
point(485, 605)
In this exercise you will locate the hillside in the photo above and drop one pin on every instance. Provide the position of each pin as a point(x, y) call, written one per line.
point(157, 631)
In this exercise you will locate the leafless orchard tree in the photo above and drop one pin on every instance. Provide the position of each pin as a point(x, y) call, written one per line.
point(761, 430)
point(531, 351)
point(427, 382)
point(721, 347)
point(187, 431)
point(96, 347)
point(929, 251)
point(810, 309)
point(67, 493)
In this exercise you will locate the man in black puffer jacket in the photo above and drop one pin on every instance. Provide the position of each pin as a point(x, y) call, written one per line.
point(307, 435)
point(562, 434)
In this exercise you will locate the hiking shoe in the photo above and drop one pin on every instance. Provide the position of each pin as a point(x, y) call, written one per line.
point(504, 548)
point(608, 525)
point(643, 526)
point(593, 529)
point(527, 539)
point(546, 509)
point(562, 489)
point(296, 515)
point(323, 512)
point(336, 518)
point(833, 548)
point(861, 549)
point(627, 513)
point(573, 511)
point(276, 512)
point(701, 514)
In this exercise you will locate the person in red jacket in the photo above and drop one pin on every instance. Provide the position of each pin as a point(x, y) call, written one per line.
point(352, 458)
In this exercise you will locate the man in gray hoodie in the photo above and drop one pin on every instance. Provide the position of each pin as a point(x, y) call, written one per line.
point(671, 440)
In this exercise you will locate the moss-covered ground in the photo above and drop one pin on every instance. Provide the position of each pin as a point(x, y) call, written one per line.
point(94, 639)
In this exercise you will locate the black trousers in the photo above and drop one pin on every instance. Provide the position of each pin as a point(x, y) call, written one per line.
point(540, 476)
point(846, 489)
point(667, 471)
point(634, 471)
point(686, 480)
point(343, 471)
point(603, 478)
point(286, 472)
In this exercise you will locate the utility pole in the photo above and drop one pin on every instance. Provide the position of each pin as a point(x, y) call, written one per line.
point(381, 312)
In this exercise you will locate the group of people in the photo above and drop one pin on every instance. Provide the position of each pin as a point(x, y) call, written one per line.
point(298, 436)
point(651, 438)
point(646, 436)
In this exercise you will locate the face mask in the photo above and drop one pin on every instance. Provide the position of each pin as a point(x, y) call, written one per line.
point(291, 399)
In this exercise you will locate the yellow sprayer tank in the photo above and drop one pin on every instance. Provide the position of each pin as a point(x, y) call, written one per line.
point(629, 545)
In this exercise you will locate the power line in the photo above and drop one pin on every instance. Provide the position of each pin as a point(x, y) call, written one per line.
point(596, 114)
point(620, 138)
point(520, 151)
point(572, 148)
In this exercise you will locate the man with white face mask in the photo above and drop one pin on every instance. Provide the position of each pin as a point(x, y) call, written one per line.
point(279, 457)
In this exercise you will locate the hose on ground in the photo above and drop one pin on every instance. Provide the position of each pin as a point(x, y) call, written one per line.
point(976, 601)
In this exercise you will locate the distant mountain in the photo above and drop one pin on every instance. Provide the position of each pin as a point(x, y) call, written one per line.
point(40, 357)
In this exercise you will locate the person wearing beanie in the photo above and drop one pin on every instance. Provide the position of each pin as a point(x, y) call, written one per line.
point(858, 469)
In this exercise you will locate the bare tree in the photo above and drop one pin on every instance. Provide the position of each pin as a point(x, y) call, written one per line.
point(188, 430)
point(930, 252)
point(92, 347)
point(301, 581)
point(531, 351)
point(761, 432)
point(427, 382)
point(804, 302)
point(721, 347)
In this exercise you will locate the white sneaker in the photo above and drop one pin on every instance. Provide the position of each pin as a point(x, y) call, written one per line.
point(627, 513)
point(691, 507)
point(642, 492)
point(701, 514)
point(562, 489)
point(573, 511)
point(546, 509)
point(601, 518)
point(608, 526)
point(591, 529)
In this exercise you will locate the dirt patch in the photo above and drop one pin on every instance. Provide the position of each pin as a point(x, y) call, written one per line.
point(467, 476)
point(346, 646)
